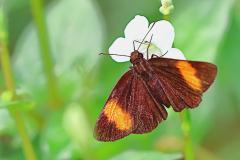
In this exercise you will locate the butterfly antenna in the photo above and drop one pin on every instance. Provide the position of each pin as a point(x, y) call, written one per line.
point(113, 54)
point(146, 35)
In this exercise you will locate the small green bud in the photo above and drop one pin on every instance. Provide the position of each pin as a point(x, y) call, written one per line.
point(167, 7)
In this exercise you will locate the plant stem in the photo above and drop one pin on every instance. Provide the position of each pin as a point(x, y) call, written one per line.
point(46, 57)
point(186, 129)
point(166, 17)
point(186, 125)
point(7, 72)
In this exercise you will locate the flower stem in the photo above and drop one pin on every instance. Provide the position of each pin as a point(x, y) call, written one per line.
point(46, 57)
point(166, 17)
point(186, 129)
point(7, 73)
point(185, 118)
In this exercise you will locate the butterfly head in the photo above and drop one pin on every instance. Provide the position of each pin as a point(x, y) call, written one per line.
point(136, 57)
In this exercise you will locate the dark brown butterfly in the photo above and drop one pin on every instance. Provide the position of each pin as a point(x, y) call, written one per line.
point(138, 102)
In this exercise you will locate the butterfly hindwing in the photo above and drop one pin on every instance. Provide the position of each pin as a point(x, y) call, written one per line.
point(149, 112)
point(183, 81)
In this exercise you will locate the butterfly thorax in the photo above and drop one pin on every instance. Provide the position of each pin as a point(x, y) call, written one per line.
point(141, 66)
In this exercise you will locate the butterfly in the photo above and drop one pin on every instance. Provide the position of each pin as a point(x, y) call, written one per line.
point(138, 102)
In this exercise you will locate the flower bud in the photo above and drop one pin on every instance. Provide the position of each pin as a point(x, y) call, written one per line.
point(167, 7)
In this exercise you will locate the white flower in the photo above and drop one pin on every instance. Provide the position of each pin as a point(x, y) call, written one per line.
point(162, 40)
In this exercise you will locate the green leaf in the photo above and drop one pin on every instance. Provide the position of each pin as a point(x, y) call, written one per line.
point(18, 105)
point(200, 27)
point(137, 155)
point(228, 62)
point(18, 15)
point(55, 138)
point(75, 30)
point(3, 35)
point(76, 124)
point(22, 103)
point(6, 96)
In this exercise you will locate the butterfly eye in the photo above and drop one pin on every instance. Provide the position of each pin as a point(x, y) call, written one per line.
point(136, 56)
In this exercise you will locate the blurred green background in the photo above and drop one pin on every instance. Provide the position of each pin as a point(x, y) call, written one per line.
point(60, 124)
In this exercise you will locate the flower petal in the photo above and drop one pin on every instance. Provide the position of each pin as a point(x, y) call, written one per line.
point(174, 53)
point(121, 46)
point(151, 50)
point(163, 35)
point(137, 28)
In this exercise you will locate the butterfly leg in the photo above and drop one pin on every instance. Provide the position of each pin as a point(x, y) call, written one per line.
point(164, 54)
point(154, 55)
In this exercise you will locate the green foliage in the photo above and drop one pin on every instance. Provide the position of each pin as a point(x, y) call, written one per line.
point(201, 27)
point(21, 103)
point(134, 155)
point(79, 30)
point(71, 38)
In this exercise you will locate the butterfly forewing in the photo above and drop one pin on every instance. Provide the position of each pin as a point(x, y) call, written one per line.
point(183, 81)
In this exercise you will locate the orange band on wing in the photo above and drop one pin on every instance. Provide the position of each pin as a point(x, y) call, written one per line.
point(189, 75)
point(114, 113)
